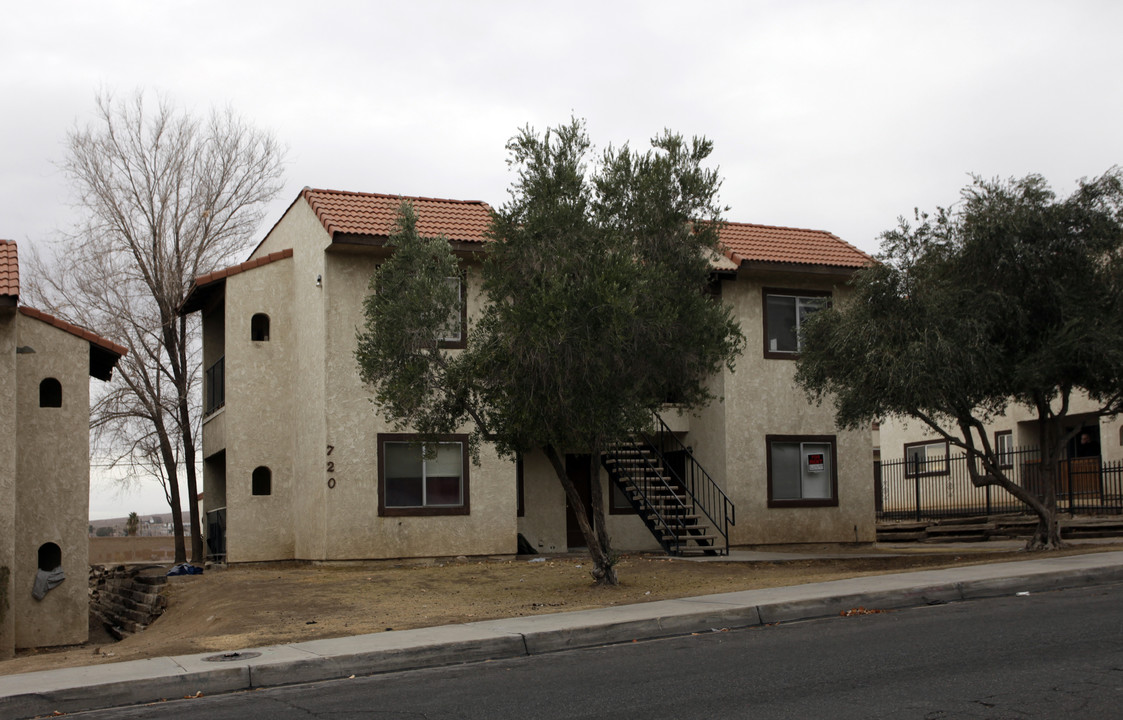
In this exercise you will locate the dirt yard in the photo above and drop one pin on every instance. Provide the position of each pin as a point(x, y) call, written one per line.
point(249, 606)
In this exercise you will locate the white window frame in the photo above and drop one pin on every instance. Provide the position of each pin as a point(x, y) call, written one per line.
point(931, 458)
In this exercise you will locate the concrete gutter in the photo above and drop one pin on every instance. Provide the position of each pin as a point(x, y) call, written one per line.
point(141, 681)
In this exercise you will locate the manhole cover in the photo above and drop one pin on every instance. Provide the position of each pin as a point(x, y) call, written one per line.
point(232, 656)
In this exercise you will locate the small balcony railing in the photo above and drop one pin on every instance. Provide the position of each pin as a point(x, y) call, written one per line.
point(214, 387)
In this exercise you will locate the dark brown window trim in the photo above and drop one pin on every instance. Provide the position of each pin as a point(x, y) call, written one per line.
point(384, 511)
point(764, 293)
point(929, 473)
point(832, 501)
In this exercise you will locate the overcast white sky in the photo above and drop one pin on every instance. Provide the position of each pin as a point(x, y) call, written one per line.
point(829, 115)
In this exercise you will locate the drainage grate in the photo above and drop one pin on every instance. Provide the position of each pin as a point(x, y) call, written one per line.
point(232, 656)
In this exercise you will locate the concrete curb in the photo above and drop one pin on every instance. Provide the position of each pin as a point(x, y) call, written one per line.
point(142, 681)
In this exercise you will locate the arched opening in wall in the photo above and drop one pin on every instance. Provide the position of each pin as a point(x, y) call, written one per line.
point(259, 328)
point(50, 393)
point(50, 557)
point(262, 481)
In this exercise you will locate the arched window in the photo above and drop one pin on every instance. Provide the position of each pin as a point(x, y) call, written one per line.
point(50, 393)
point(50, 557)
point(262, 481)
point(259, 328)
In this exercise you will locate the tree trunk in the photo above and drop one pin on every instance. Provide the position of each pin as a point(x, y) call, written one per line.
point(1047, 536)
point(604, 570)
point(173, 493)
point(175, 343)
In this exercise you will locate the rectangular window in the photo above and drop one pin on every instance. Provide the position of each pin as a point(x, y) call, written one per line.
point(452, 334)
point(1004, 447)
point(926, 458)
point(784, 314)
point(802, 471)
point(416, 478)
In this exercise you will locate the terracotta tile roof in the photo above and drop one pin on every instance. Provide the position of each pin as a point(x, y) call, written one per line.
point(9, 269)
point(242, 267)
point(354, 213)
point(197, 294)
point(74, 330)
point(745, 242)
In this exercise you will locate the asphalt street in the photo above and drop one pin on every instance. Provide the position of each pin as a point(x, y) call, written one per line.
point(1056, 654)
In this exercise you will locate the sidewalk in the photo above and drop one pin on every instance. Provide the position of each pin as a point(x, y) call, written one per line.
point(140, 681)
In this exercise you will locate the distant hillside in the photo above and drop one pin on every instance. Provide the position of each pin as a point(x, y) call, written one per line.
point(154, 524)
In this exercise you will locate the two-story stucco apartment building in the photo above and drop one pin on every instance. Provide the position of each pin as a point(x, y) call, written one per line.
point(298, 464)
point(45, 367)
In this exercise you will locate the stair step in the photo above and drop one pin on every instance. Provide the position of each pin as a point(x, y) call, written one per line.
point(683, 539)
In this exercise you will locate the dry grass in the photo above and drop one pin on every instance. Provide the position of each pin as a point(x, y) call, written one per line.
point(249, 606)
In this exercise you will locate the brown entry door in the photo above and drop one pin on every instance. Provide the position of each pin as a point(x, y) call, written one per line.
point(577, 467)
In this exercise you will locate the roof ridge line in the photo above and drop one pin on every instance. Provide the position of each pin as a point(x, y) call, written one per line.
point(391, 196)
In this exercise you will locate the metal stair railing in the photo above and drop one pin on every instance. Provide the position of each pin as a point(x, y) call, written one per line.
point(703, 492)
point(628, 463)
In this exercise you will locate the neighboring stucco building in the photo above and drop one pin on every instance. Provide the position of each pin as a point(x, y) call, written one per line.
point(922, 470)
point(45, 366)
point(299, 465)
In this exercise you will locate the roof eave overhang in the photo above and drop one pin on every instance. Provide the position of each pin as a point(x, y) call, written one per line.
point(199, 296)
point(382, 242)
point(838, 271)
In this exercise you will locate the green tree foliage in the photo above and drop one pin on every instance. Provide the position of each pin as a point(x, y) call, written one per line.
point(1012, 296)
point(132, 524)
point(596, 309)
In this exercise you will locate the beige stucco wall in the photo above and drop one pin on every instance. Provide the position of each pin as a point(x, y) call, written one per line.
point(52, 494)
point(258, 422)
point(761, 398)
point(7, 479)
point(352, 528)
point(291, 398)
point(895, 432)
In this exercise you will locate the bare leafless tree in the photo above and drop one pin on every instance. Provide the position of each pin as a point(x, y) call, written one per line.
point(165, 197)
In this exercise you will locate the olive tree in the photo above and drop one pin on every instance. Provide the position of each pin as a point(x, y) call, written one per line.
point(1010, 297)
point(596, 309)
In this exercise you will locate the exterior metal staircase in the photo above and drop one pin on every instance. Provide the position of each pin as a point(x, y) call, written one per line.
point(677, 500)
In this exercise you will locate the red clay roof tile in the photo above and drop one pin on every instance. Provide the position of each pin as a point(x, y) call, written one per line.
point(9, 269)
point(74, 330)
point(745, 242)
point(241, 267)
point(356, 213)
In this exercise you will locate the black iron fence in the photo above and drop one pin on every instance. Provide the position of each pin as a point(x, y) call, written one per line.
point(941, 488)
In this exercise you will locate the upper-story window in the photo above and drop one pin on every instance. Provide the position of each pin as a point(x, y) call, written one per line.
point(50, 393)
point(259, 328)
point(784, 314)
point(452, 334)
